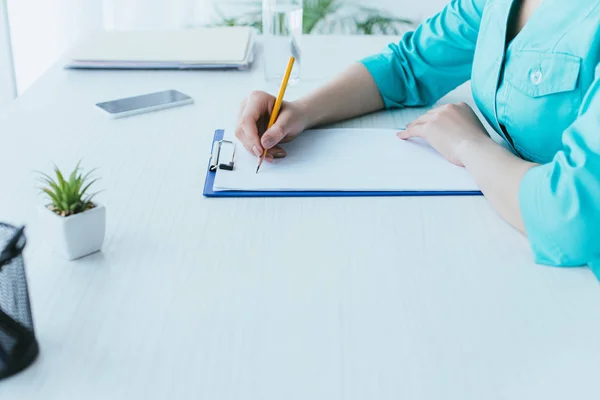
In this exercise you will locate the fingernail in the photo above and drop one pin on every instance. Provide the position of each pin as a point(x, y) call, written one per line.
point(269, 142)
point(269, 158)
point(281, 154)
point(256, 151)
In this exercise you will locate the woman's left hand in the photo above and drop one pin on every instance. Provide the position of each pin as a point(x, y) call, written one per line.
point(447, 129)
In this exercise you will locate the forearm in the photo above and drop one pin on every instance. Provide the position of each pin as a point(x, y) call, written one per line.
point(498, 173)
point(351, 94)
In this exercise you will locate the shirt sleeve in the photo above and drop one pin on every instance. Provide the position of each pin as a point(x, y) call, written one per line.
point(560, 201)
point(430, 61)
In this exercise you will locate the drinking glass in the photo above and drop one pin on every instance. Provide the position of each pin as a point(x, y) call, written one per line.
point(282, 32)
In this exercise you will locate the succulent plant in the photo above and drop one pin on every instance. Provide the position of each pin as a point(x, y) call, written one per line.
point(69, 196)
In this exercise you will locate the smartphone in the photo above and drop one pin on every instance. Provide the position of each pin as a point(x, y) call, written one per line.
point(144, 103)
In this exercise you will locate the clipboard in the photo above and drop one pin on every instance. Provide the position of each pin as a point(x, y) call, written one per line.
point(216, 163)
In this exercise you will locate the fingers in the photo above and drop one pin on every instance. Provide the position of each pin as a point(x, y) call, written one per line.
point(406, 134)
point(419, 127)
point(247, 133)
point(253, 117)
point(288, 138)
point(250, 117)
point(277, 132)
point(241, 110)
point(415, 128)
point(277, 152)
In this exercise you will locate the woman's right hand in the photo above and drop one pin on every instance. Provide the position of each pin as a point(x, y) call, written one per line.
point(253, 119)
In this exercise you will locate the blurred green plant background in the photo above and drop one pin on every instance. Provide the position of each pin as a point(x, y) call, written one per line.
point(324, 17)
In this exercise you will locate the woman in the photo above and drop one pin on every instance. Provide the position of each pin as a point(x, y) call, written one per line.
point(535, 71)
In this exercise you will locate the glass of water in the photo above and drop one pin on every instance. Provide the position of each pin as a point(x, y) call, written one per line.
point(282, 32)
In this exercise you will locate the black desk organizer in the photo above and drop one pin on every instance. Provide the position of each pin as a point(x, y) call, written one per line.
point(18, 345)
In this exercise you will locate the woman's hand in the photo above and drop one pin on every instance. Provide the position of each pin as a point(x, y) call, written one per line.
point(352, 93)
point(456, 133)
point(253, 119)
point(448, 129)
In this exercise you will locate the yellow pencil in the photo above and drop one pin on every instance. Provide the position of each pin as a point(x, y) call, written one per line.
point(278, 102)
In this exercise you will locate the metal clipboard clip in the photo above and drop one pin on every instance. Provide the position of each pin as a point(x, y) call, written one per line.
point(218, 151)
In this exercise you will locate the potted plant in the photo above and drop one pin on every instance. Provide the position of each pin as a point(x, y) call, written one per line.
point(323, 17)
point(73, 224)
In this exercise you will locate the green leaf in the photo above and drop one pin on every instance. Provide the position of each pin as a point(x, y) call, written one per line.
point(316, 11)
point(88, 186)
point(88, 200)
point(86, 176)
point(51, 195)
point(51, 183)
point(61, 199)
point(328, 16)
point(45, 175)
point(93, 195)
point(76, 207)
point(47, 179)
point(61, 180)
point(73, 175)
point(63, 206)
point(68, 195)
point(77, 185)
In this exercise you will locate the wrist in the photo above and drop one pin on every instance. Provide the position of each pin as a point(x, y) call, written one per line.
point(305, 112)
point(468, 148)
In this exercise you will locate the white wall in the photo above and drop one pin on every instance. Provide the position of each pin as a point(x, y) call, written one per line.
point(156, 14)
point(43, 29)
point(7, 84)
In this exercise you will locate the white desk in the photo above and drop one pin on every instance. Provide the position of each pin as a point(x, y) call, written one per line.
point(269, 299)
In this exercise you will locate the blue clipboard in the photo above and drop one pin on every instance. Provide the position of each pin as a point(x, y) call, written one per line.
point(210, 192)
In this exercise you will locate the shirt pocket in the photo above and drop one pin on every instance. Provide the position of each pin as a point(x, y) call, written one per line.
point(544, 100)
point(540, 74)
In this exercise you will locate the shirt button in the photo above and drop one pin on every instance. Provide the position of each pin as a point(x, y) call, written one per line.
point(536, 76)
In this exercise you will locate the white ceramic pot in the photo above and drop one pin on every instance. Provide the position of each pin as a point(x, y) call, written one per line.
point(75, 236)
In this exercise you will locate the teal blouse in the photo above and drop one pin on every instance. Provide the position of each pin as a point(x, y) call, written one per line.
point(540, 92)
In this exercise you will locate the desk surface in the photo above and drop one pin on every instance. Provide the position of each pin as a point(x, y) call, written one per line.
point(307, 298)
